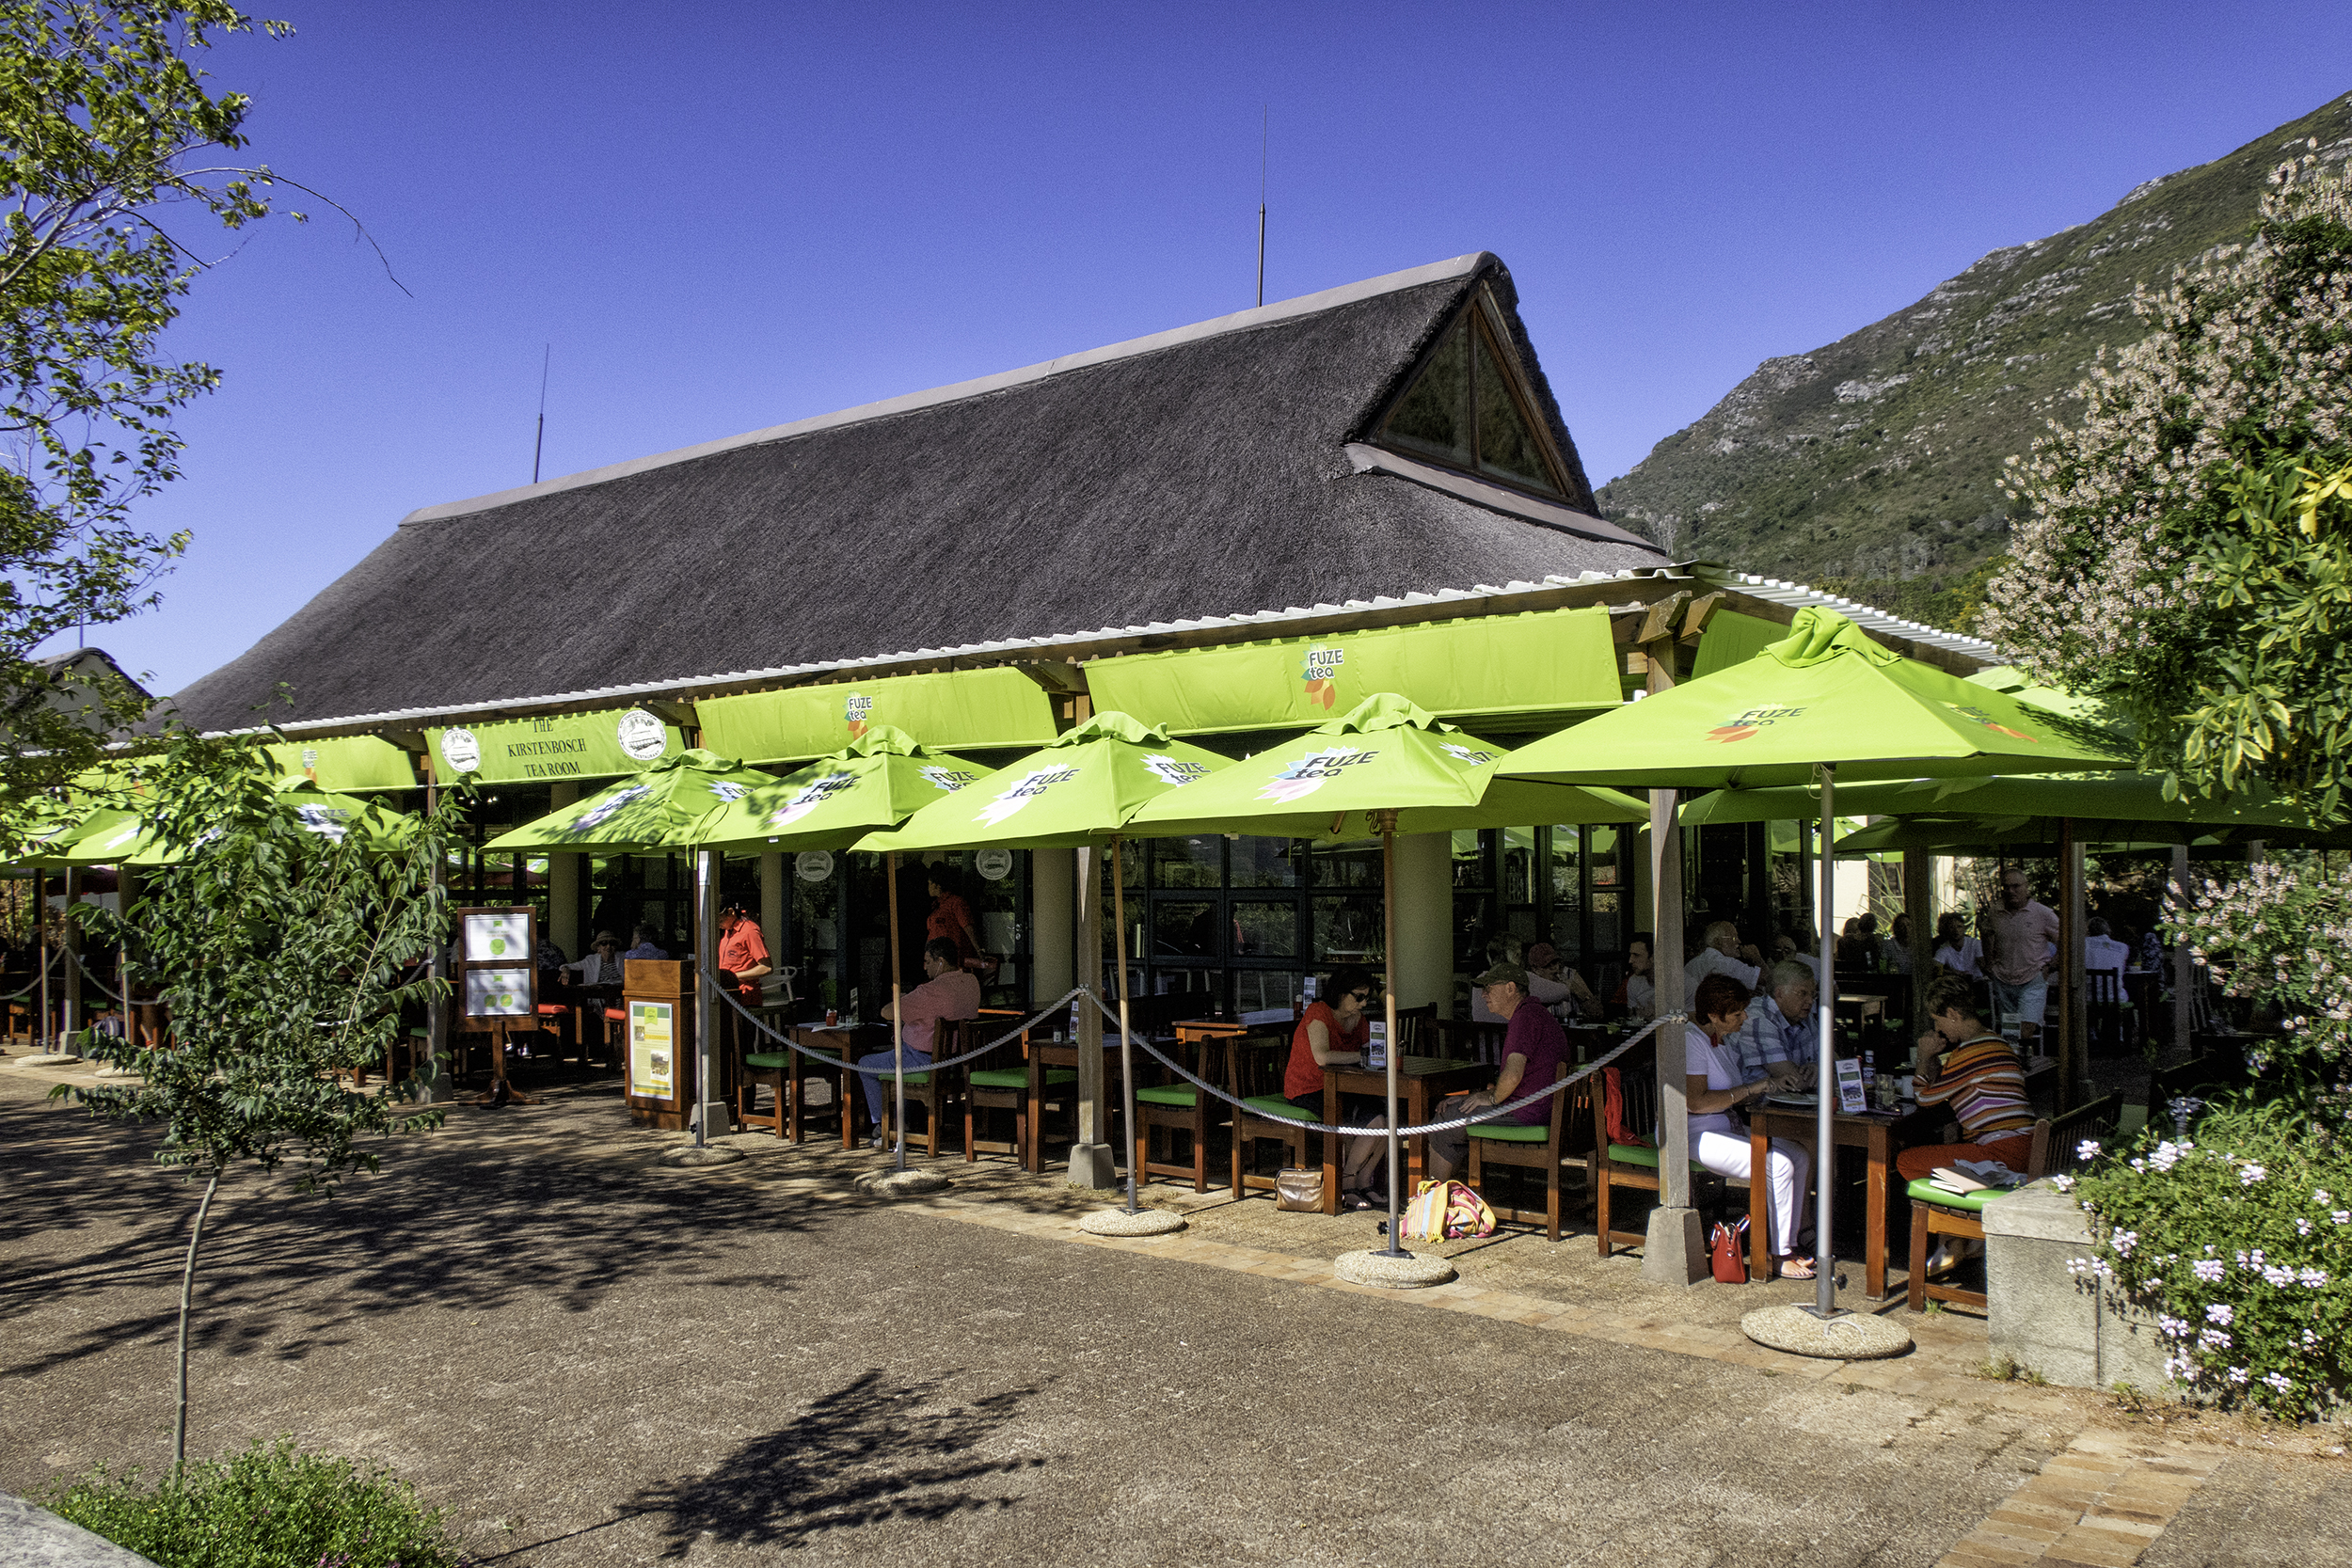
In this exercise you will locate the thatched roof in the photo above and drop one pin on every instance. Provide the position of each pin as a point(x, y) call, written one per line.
point(1210, 470)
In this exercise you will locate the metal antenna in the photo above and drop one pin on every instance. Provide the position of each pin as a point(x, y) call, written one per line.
point(540, 442)
point(1265, 123)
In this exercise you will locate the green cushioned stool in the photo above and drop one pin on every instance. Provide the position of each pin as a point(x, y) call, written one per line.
point(1168, 1094)
point(1508, 1132)
point(1018, 1078)
point(1275, 1105)
point(769, 1059)
point(1928, 1192)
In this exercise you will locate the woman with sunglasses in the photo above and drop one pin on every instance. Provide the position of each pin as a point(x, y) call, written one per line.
point(1333, 1033)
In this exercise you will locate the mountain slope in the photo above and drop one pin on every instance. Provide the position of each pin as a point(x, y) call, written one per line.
point(1872, 466)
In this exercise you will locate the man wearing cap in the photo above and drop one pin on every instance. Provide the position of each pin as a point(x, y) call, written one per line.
point(1534, 1046)
point(742, 952)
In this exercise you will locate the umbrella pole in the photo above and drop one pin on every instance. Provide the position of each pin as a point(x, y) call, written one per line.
point(707, 1013)
point(897, 1026)
point(1825, 1072)
point(40, 924)
point(1126, 1052)
point(1387, 988)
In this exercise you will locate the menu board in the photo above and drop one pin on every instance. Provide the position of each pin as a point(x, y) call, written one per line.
point(494, 936)
point(499, 992)
point(497, 976)
point(652, 1049)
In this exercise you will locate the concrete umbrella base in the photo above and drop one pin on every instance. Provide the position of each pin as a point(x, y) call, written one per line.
point(1408, 1272)
point(1847, 1336)
point(691, 1158)
point(1143, 1222)
point(901, 1183)
point(49, 1059)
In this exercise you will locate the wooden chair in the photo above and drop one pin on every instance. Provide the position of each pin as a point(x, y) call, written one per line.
point(1416, 1031)
point(934, 1091)
point(1633, 1166)
point(1540, 1146)
point(2104, 1010)
point(1961, 1215)
point(1253, 1074)
point(1014, 1080)
point(1463, 1040)
point(759, 1069)
point(1175, 1106)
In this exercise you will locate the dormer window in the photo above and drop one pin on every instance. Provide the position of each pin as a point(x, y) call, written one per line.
point(1469, 409)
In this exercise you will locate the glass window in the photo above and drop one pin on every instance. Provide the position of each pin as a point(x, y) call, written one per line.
point(1263, 929)
point(1262, 990)
point(1433, 416)
point(1568, 893)
point(1182, 928)
point(1470, 859)
point(1187, 863)
point(1505, 448)
point(1267, 862)
point(1347, 928)
point(1355, 864)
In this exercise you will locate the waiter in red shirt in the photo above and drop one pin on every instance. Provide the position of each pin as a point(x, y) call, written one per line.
point(742, 951)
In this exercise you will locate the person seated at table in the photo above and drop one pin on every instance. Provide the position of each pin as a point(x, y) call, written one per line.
point(1782, 1039)
point(1553, 986)
point(948, 993)
point(1857, 953)
point(1895, 947)
point(1533, 1045)
point(1722, 955)
point(645, 944)
point(1790, 944)
point(1638, 993)
point(1333, 1032)
point(602, 966)
point(1967, 1066)
point(1956, 951)
point(1715, 1088)
point(2101, 950)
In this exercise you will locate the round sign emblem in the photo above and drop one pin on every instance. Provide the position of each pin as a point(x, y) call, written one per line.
point(641, 735)
point(461, 750)
point(994, 865)
point(813, 865)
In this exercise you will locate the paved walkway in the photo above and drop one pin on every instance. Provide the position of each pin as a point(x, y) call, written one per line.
point(592, 1359)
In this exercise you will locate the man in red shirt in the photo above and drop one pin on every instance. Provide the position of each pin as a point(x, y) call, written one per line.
point(1533, 1045)
point(742, 952)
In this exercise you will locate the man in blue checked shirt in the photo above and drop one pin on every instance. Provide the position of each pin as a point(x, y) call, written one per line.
point(1781, 1039)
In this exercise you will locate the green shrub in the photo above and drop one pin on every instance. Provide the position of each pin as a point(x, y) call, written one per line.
point(269, 1507)
point(2239, 1238)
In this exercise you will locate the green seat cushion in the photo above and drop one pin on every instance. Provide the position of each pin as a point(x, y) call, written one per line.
point(1018, 1077)
point(1180, 1095)
point(769, 1061)
point(1275, 1106)
point(1973, 1203)
point(1511, 1132)
point(1632, 1154)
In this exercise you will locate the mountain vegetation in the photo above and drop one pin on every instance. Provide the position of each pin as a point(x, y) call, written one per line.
point(1873, 466)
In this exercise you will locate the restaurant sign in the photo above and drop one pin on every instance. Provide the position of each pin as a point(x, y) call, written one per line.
point(1544, 662)
point(953, 711)
point(561, 746)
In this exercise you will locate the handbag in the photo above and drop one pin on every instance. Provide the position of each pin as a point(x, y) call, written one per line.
point(1446, 1211)
point(1299, 1191)
point(1726, 1246)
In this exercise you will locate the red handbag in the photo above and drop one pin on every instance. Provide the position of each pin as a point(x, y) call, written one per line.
point(1727, 1246)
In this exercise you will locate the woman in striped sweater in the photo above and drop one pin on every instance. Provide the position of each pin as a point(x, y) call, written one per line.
point(1968, 1067)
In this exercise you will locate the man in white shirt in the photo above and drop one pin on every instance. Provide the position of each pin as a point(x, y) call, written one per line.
point(2101, 950)
point(1722, 955)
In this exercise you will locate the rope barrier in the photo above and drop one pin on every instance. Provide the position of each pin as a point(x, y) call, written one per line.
point(843, 1060)
point(1487, 1115)
point(54, 958)
point(89, 978)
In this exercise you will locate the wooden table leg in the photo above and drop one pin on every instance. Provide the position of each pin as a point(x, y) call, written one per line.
point(1417, 1146)
point(1874, 1229)
point(1760, 1199)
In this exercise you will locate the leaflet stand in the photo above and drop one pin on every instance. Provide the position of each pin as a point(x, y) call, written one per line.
point(497, 981)
point(661, 1065)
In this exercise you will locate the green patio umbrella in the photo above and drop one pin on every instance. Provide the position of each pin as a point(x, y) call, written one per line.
point(1080, 788)
point(1399, 770)
point(878, 781)
point(1823, 703)
point(2111, 797)
point(120, 837)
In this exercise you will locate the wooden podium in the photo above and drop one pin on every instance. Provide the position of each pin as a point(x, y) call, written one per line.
point(659, 996)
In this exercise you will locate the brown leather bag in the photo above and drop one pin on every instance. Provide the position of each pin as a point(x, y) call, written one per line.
point(1299, 1191)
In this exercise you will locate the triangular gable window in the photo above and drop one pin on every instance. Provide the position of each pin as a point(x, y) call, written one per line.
point(1467, 411)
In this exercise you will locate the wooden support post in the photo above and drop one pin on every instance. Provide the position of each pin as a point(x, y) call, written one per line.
point(2183, 967)
point(2073, 1018)
point(1919, 909)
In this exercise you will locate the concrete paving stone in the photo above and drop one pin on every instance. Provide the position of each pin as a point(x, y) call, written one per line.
point(1976, 1549)
point(2106, 1516)
point(2088, 1555)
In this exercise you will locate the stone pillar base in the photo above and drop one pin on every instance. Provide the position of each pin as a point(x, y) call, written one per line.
point(1093, 1165)
point(2069, 1329)
point(1676, 1252)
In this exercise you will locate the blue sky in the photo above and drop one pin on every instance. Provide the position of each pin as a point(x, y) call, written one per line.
point(729, 215)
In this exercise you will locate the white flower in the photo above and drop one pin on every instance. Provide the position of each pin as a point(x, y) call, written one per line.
point(2273, 1274)
point(2311, 1279)
point(2342, 1216)
point(2323, 1197)
point(2220, 1312)
point(2209, 1271)
point(2123, 1240)
point(2302, 1226)
point(2213, 1339)
point(2250, 1175)
point(2281, 1382)
point(2168, 1154)
point(2066, 1184)
point(2237, 1374)
point(2172, 1328)
point(2086, 1151)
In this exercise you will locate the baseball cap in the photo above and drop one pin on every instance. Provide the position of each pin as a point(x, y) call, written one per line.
point(1506, 970)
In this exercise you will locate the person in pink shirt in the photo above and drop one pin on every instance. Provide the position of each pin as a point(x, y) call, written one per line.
point(948, 993)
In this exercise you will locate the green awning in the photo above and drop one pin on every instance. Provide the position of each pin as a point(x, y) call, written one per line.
point(562, 746)
point(1731, 638)
point(953, 711)
point(347, 762)
point(1556, 661)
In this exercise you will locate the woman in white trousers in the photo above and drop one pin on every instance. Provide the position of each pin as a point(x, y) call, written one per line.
point(1715, 1087)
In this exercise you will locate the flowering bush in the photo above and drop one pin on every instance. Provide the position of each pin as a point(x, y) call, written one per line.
point(2282, 937)
point(2239, 1239)
point(2189, 543)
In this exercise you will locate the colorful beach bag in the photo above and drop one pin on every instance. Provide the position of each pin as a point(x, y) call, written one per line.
point(1446, 1211)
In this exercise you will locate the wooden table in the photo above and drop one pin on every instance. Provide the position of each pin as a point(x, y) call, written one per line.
point(1878, 1136)
point(1421, 1083)
point(836, 1040)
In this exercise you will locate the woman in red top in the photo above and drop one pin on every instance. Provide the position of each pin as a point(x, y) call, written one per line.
point(1333, 1033)
point(950, 919)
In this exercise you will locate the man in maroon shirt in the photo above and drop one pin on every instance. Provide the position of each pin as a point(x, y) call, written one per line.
point(1534, 1046)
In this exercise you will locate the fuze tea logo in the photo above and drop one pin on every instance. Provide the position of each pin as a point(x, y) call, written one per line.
point(1312, 771)
point(855, 710)
point(809, 796)
point(1321, 672)
point(947, 780)
point(1978, 716)
point(1467, 757)
point(461, 750)
point(1021, 791)
point(642, 736)
point(1742, 726)
point(604, 809)
point(1173, 771)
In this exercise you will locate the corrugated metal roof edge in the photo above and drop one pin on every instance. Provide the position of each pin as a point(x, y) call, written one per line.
point(1771, 590)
